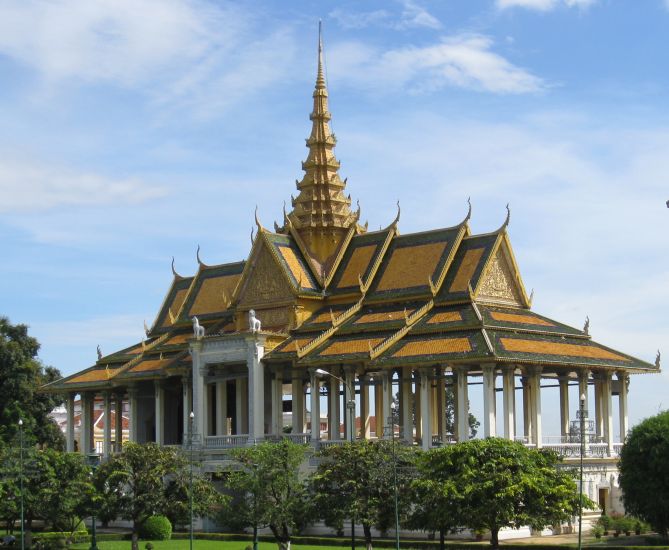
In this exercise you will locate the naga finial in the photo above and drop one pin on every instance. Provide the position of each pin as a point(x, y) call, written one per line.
point(657, 359)
point(147, 330)
point(252, 239)
point(469, 210)
point(99, 352)
point(508, 216)
point(197, 256)
point(260, 227)
point(531, 297)
point(586, 326)
point(174, 271)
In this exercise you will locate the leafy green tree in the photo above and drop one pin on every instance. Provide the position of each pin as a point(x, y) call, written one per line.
point(269, 490)
point(437, 501)
point(499, 483)
point(356, 480)
point(644, 463)
point(21, 376)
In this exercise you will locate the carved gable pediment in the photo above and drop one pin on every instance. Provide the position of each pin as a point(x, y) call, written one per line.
point(499, 283)
point(265, 282)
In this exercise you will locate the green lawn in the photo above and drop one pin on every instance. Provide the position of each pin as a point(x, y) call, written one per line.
point(197, 545)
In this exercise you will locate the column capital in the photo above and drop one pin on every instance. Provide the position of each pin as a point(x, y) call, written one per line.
point(488, 367)
point(584, 373)
point(563, 377)
point(460, 369)
point(531, 370)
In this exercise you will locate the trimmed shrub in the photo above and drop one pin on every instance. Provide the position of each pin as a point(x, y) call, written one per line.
point(156, 528)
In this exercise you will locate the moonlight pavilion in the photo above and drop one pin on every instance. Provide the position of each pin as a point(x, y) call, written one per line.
point(348, 314)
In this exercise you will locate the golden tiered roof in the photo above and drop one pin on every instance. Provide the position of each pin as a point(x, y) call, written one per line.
point(328, 292)
point(321, 212)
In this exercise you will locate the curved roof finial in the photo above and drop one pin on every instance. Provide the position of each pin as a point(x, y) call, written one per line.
point(174, 271)
point(197, 255)
point(469, 211)
point(260, 227)
point(252, 239)
point(508, 216)
point(393, 224)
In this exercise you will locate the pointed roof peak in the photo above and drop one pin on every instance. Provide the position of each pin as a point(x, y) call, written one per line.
point(320, 75)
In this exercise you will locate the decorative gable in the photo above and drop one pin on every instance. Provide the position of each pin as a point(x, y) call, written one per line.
point(500, 283)
point(265, 283)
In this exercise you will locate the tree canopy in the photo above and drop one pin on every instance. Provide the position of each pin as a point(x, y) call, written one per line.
point(269, 490)
point(644, 463)
point(496, 483)
point(357, 480)
point(21, 375)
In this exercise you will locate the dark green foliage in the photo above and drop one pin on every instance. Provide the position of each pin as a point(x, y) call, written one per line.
point(156, 528)
point(644, 462)
point(137, 483)
point(268, 489)
point(494, 483)
point(357, 480)
point(21, 376)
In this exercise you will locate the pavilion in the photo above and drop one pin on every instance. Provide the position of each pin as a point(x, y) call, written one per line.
point(349, 315)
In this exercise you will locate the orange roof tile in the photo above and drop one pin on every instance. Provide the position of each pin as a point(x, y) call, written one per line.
point(433, 346)
point(357, 265)
point(346, 347)
point(445, 317)
point(519, 318)
point(558, 348)
point(466, 270)
point(410, 266)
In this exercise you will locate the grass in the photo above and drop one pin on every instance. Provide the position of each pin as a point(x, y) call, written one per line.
point(197, 545)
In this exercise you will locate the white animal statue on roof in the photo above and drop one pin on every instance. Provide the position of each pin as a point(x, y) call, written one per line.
point(198, 329)
point(254, 322)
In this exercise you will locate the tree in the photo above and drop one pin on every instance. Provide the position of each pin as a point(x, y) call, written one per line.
point(437, 501)
point(21, 376)
point(644, 462)
point(499, 483)
point(137, 482)
point(268, 490)
point(357, 480)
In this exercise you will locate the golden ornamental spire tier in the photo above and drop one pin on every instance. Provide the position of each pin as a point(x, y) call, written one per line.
point(321, 212)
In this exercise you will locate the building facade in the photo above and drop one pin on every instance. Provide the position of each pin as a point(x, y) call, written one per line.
point(326, 319)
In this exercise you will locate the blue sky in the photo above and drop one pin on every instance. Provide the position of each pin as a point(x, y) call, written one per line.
point(134, 130)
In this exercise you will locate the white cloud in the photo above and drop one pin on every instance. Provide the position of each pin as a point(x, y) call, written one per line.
point(167, 48)
point(412, 15)
point(544, 5)
point(465, 61)
point(31, 186)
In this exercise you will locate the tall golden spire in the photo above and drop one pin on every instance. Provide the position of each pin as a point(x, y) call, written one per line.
point(321, 213)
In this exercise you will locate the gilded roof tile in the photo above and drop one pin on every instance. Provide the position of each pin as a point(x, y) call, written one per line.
point(584, 350)
point(445, 317)
point(410, 266)
point(94, 375)
point(433, 346)
point(214, 295)
point(297, 268)
point(149, 365)
point(463, 275)
point(350, 347)
point(357, 265)
point(381, 316)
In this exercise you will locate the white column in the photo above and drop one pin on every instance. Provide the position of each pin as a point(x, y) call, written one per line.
point(426, 416)
point(187, 406)
point(489, 409)
point(378, 409)
point(583, 386)
point(386, 409)
point(349, 373)
point(297, 404)
point(159, 392)
point(365, 429)
point(599, 417)
point(564, 405)
point(527, 406)
point(623, 381)
point(333, 408)
point(256, 386)
point(607, 410)
point(277, 403)
point(70, 422)
point(208, 411)
point(84, 424)
point(198, 390)
point(222, 408)
point(405, 405)
point(240, 405)
point(118, 421)
point(133, 405)
point(441, 405)
point(315, 405)
point(535, 391)
point(509, 390)
point(462, 411)
point(106, 446)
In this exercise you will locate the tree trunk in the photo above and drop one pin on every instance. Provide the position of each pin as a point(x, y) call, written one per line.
point(494, 537)
point(442, 536)
point(367, 530)
point(134, 543)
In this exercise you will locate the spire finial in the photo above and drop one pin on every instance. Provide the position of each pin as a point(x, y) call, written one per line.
point(320, 77)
